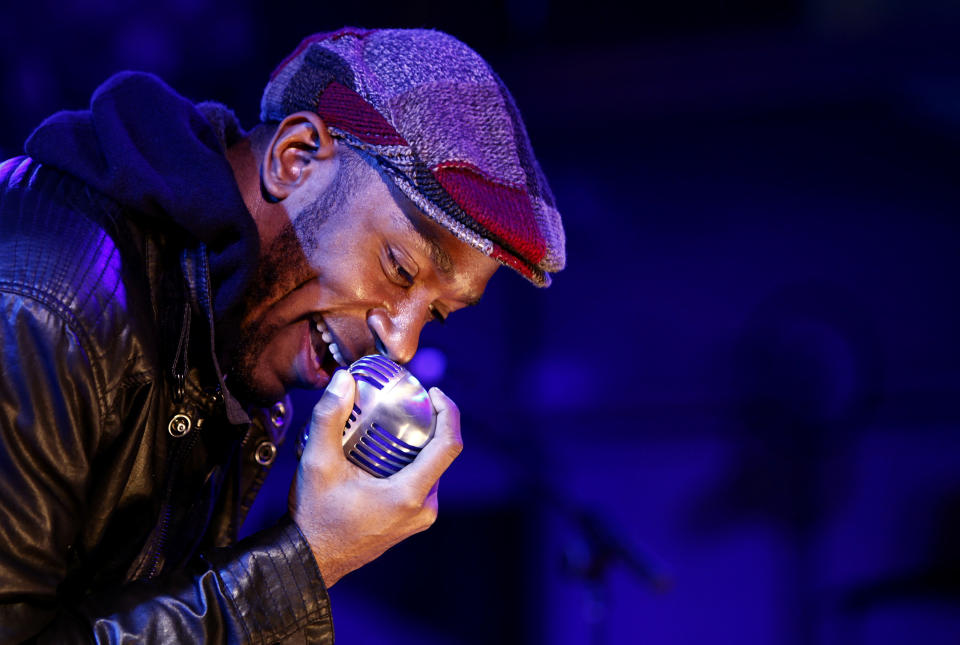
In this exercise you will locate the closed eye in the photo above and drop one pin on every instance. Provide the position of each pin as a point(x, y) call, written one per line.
point(396, 269)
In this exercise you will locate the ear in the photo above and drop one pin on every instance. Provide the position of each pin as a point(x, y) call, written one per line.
point(298, 144)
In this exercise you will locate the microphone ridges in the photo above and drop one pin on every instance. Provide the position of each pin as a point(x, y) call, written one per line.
point(393, 418)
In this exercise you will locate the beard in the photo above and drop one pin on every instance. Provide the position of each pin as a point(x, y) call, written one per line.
point(280, 269)
point(283, 267)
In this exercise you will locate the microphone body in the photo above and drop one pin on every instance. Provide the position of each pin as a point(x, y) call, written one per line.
point(392, 417)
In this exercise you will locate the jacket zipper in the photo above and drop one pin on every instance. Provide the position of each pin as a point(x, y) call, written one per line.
point(163, 527)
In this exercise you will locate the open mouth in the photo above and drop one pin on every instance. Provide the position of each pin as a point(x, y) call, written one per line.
point(329, 355)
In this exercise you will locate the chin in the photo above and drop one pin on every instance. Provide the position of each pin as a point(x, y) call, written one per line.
point(245, 379)
point(250, 390)
point(259, 398)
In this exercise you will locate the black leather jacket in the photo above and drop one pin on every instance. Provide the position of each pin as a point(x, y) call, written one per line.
point(111, 528)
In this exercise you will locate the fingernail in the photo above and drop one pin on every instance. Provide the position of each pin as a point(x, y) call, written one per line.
point(340, 383)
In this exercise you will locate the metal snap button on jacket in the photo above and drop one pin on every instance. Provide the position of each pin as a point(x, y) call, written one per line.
point(265, 453)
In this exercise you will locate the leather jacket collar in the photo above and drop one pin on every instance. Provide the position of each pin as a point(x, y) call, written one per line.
point(196, 270)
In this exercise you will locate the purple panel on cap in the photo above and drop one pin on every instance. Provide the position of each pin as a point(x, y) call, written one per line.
point(467, 123)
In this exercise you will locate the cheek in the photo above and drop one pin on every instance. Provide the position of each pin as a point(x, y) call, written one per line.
point(344, 255)
point(282, 344)
point(351, 272)
point(281, 268)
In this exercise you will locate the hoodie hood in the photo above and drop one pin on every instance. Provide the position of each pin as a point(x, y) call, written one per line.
point(157, 154)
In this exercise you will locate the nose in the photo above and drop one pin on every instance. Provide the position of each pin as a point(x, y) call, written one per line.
point(397, 334)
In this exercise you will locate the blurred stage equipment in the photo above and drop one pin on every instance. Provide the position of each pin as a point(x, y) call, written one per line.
point(590, 556)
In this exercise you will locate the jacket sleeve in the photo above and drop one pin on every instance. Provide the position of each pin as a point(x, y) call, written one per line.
point(264, 589)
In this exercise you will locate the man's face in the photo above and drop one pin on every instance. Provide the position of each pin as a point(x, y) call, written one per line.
point(364, 276)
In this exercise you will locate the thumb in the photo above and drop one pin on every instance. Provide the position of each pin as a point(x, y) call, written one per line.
point(329, 416)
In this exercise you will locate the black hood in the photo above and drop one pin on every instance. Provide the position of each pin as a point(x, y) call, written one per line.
point(154, 152)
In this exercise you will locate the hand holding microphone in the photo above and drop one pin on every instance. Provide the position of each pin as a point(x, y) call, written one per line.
point(347, 516)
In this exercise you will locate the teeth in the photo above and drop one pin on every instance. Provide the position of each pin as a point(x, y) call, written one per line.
point(328, 339)
point(335, 351)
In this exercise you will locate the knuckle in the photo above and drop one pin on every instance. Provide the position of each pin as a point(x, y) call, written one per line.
point(320, 411)
point(309, 462)
point(312, 464)
point(325, 408)
point(452, 446)
point(409, 502)
point(454, 449)
point(428, 517)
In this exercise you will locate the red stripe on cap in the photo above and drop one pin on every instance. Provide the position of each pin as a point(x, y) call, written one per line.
point(515, 263)
point(343, 108)
point(503, 210)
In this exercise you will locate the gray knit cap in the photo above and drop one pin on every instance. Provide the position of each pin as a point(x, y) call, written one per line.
point(441, 124)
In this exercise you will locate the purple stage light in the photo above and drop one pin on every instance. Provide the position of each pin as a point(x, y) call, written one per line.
point(429, 366)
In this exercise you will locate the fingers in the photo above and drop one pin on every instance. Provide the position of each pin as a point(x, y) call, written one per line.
point(329, 416)
point(440, 452)
point(348, 517)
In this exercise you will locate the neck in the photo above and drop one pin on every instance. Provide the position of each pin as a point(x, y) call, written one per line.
point(245, 158)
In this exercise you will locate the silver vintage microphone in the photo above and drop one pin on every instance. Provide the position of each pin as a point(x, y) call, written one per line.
point(392, 417)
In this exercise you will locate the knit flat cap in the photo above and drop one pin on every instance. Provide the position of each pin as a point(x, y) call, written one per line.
point(442, 126)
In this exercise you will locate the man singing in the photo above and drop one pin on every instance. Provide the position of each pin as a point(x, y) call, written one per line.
point(166, 279)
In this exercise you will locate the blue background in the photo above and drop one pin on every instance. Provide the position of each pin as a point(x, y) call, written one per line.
point(735, 417)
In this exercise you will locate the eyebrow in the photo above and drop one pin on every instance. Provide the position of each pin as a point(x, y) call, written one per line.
point(438, 255)
point(440, 258)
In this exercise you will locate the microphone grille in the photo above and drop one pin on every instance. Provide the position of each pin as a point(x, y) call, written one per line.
point(392, 418)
